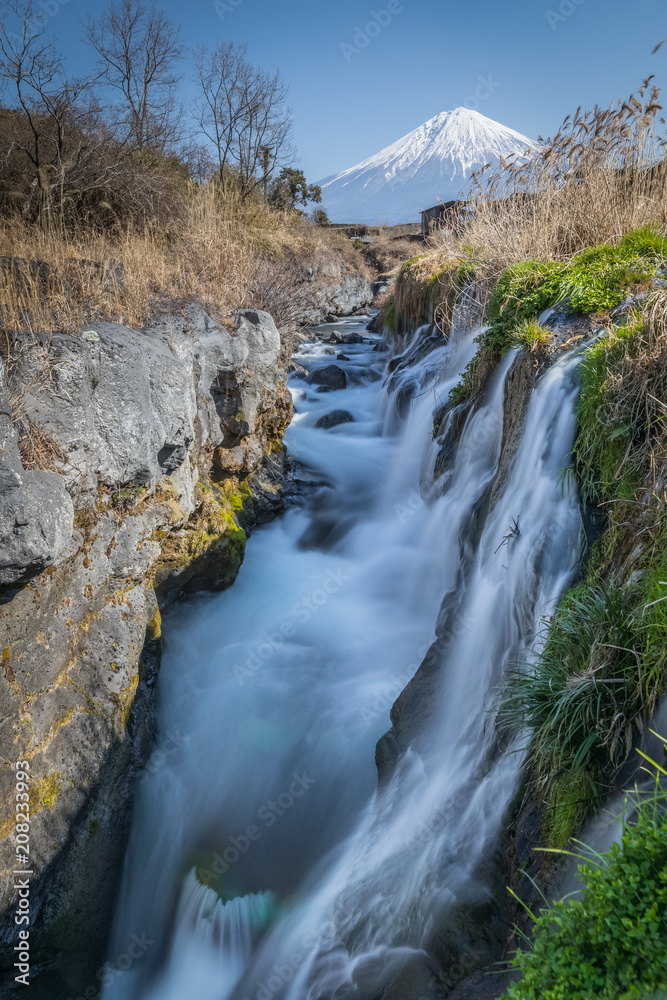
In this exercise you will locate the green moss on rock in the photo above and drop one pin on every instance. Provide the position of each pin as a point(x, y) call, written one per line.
point(43, 794)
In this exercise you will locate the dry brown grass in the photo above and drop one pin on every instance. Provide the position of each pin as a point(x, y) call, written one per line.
point(389, 251)
point(38, 450)
point(600, 176)
point(636, 389)
point(226, 254)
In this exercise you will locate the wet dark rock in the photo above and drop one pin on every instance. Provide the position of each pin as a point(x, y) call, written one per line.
point(335, 418)
point(342, 357)
point(330, 376)
point(375, 323)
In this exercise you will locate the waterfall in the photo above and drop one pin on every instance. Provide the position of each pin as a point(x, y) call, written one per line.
point(277, 691)
point(213, 939)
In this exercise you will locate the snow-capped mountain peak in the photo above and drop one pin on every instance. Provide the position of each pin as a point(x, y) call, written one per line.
point(429, 165)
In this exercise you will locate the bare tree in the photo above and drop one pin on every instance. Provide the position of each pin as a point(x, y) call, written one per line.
point(59, 157)
point(138, 48)
point(242, 111)
point(59, 128)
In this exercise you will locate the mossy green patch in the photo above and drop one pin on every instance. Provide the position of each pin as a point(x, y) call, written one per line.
point(405, 267)
point(237, 494)
point(43, 794)
point(594, 280)
point(212, 547)
point(155, 626)
point(125, 701)
point(466, 274)
point(573, 796)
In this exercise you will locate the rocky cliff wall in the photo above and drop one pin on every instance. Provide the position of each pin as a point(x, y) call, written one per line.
point(167, 443)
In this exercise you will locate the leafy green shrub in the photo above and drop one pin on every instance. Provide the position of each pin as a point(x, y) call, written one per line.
point(459, 393)
point(611, 943)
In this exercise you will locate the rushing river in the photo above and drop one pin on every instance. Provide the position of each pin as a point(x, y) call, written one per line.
point(263, 862)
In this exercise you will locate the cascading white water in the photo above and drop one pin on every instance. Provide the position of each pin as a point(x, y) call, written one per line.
point(273, 695)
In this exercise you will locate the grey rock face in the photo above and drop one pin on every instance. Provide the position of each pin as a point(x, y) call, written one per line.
point(130, 406)
point(334, 292)
point(140, 416)
point(36, 513)
point(123, 410)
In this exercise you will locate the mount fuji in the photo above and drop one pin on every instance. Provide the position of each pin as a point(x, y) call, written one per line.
point(429, 165)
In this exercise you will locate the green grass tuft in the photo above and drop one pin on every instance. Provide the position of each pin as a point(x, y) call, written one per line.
point(604, 441)
point(530, 335)
point(580, 701)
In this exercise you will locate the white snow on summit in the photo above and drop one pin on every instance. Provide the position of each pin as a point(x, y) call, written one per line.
point(429, 165)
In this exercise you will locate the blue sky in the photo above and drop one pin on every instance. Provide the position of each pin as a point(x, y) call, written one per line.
point(354, 90)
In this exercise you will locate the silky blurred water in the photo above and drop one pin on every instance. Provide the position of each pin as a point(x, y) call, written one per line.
point(273, 694)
